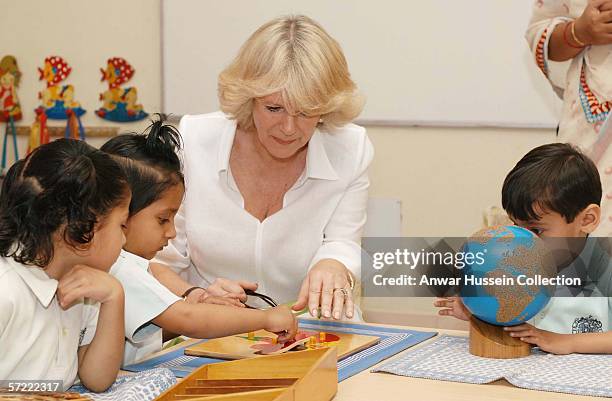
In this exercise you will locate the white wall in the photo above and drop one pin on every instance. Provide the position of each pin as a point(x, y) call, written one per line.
point(446, 177)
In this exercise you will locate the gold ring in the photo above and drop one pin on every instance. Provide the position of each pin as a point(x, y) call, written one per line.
point(344, 291)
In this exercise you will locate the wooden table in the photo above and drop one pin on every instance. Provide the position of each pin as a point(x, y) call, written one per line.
point(366, 386)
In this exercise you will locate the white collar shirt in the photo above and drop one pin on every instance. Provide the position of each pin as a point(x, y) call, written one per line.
point(145, 299)
point(322, 216)
point(38, 339)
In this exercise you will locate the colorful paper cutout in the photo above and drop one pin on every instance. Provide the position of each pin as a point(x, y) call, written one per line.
point(58, 99)
point(39, 133)
point(119, 104)
point(303, 339)
point(9, 81)
point(10, 110)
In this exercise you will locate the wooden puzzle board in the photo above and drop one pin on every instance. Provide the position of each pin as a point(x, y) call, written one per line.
point(261, 343)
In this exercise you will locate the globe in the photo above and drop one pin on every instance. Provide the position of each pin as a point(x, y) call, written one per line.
point(509, 280)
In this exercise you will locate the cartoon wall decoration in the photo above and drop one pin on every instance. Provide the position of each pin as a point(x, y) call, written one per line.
point(119, 103)
point(10, 110)
point(9, 81)
point(58, 99)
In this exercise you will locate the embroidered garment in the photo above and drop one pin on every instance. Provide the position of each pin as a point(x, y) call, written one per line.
point(586, 90)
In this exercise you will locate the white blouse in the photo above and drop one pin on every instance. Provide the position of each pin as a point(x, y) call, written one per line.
point(38, 339)
point(145, 299)
point(323, 214)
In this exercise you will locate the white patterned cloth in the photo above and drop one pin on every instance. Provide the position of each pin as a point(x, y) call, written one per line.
point(143, 386)
point(448, 358)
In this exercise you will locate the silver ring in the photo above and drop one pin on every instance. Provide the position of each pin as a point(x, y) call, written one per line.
point(344, 291)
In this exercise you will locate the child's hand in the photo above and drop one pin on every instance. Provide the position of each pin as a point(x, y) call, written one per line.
point(280, 320)
point(554, 343)
point(86, 282)
point(454, 307)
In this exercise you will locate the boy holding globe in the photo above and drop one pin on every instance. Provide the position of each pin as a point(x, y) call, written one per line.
point(555, 192)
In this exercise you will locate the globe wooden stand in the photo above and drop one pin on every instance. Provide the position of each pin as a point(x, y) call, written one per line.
point(490, 341)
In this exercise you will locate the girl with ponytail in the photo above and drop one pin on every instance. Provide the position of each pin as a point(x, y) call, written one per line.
point(153, 312)
point(63, 210)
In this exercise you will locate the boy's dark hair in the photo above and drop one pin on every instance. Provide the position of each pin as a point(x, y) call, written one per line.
point(149, 160)
point(66, 184)
point(556, 177)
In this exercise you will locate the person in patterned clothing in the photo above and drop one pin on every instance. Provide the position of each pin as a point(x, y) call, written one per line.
point(579, 31)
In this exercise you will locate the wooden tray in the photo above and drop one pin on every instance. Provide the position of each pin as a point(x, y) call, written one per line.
point(245, 346)
point(285, 377)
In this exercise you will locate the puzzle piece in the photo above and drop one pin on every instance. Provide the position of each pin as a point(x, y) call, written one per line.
point(264, 343)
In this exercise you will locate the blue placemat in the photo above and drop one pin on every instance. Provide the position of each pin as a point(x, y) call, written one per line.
point(448, 358)
point(392, 341)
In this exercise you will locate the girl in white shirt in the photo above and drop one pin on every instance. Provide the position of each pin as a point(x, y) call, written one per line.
point(62, 214)
point(154, 173)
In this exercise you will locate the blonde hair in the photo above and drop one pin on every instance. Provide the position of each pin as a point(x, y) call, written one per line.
point(295, 56)
point(8, 64)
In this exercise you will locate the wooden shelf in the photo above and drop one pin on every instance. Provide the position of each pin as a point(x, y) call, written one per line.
point(102, 132)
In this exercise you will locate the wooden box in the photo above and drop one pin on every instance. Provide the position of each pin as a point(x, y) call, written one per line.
point(310, 375)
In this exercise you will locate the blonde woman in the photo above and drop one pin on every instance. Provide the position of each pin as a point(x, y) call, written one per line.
point(276, 182)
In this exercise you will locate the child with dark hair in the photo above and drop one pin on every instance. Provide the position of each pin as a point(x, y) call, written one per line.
point(153, 169)
point(62, 215)
point(555, 192)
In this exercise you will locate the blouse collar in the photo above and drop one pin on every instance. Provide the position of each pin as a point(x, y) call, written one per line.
point(318, 165)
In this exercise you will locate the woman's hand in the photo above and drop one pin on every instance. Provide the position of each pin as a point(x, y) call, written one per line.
point(195, 295)
point(202, 296)
point(227, 300)
point(594, 26)
point(223, 287)
point(327, 286)
point(453, 307)
point(560, 344)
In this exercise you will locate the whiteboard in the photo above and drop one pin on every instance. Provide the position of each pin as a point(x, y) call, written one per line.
point(428, 62)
